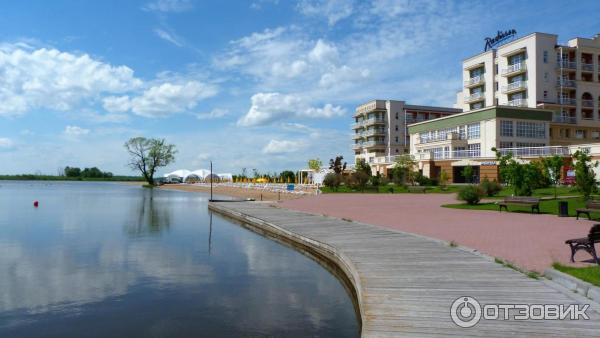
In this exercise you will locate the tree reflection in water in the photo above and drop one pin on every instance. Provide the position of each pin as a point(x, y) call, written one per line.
point(152, 217)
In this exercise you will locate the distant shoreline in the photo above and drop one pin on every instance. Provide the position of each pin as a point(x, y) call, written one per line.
point(233, 192)
point(30, 177)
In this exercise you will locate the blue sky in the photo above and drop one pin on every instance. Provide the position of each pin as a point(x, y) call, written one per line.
point(260, 84)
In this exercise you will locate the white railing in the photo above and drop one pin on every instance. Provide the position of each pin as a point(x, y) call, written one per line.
point(587, 103)
point(565, 119)
point(517, 103)
point(357, 145)
point(566, 83)
point(474, 97)
point(456, 154)
point(567, 101)
point(373, 120)
point(567, 64)
point(474, 80)
point(535, 151)
point(372, 132)
point(514, 85)
point(357, 125)
point(373, 143)
point(589, 67)
point(514, 68)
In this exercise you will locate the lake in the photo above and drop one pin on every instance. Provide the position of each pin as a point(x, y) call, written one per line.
point(117, 260)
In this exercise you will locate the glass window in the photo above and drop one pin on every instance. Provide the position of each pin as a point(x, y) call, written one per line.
point(474, 149)
point(596, 135)
point(506, 128)
point(473, 131)
point(506, 144)
point(529, 144)
point(579, 133)
point(545, 56)
point(531, 129)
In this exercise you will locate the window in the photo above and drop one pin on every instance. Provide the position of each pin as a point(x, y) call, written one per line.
point(545, 56)
point(529, 144)
point(474, 149)
point(473, 131)
point(506, 144)
point(579, 134)
point(531, 129)
point(396, 127)
point(545, 95)
point(396, 139)
point(506, 128)
point(396, 150)
point(396, 117)
point(596, 135)
point(546, 76)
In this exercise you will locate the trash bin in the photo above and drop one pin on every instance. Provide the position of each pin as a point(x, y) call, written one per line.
point(563, 209)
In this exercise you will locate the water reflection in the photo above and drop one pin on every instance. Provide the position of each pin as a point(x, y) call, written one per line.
point(203, 277)
point(152, 216)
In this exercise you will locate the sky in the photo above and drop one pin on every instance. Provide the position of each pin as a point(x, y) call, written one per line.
point(258, 84)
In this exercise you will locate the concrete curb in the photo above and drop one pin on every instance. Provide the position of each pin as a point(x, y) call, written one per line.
point(574, 284)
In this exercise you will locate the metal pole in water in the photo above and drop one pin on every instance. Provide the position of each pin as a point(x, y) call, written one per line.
point(211, 179)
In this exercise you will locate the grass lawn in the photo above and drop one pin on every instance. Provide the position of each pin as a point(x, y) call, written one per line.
point(546, 207)
point(544, 192)
point(589, 274)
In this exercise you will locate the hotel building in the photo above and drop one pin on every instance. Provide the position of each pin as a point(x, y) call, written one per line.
point(380, 128)
point(536, 71)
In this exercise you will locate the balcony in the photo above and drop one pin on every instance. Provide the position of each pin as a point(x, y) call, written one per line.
point(567, 83)
point(514, 87)
point(565, 119)
point(356, 146)
point(474, 81)
point(358, 125)
point(357, 136)
point(373, 144)
point(587, 67)
point(410, 120)
point(535, 151)
point(514, 69)
point(372, 132)
point(587, 103)
point(441, 137)
point(517, 103)
point(566, 65)
point(475, 97)
point(565, 101)
point(375, 120)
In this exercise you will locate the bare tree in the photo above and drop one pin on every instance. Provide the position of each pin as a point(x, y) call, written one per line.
point(146, 155)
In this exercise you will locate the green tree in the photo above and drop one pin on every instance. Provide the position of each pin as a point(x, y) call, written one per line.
point(552, 167)
point(443, 179)
point(92, 173)
point(287, 175)
point(467, 173)
point(337, 165)
point(522, 177)
point(315, 164)
point(405, 166)
point(72, 171)
point(585, 179)
point(362, 166)
point(332, 181)
point(147, 155)
point(360, 179)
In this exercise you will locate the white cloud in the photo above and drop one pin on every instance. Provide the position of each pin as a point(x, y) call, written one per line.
point(267, 108)
point(213, 114)
point(75, 131)
point(282, 147)
point(6, 143)
point(168, 98)
point(332, 10)
point(116, 104)
point(166, 6)
point(323, 52)
point(169, 37)
point(51, 79)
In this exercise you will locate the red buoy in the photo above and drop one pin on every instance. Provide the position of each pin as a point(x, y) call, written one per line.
point(36, 204)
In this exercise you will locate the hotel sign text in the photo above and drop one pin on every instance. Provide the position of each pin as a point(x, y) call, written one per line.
point(499, 38)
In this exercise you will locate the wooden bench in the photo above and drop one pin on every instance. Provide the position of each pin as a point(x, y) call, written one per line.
point(417, 188)
point(533, 202)
point(586, 243)
point(590, 206)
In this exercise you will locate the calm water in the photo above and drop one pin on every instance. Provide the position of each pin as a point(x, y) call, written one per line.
point(112, 260)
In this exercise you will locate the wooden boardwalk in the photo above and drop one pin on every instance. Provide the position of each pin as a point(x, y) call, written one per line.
point(406, 284)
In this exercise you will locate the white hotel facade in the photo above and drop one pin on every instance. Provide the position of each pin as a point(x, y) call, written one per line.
point(532, 96)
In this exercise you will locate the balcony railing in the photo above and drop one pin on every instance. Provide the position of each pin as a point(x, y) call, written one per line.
point(566, 83)
point(565, 119)
point(373, 121)
point(475, 97)
point(373, 144)
point(476, 80)
point(564, 64)
point(441, 137)
point(360, 124)
point(587, 103)
point(567, 101)
point(357, 145)
point(587, 67)
point(410, 120)
point(517, 103)
point(372, 132)
point(357, 136)
point(456, 154)
point(535, 151)
point(514, 86)
point(517, 67)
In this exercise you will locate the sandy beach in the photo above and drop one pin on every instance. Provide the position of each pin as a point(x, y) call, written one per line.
point(239, 192)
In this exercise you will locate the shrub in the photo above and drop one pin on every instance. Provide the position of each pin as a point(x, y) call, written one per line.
point(490, 188)
point(332, 181)
point(359, 180)
point(471, 194)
